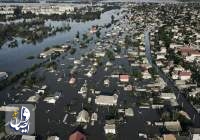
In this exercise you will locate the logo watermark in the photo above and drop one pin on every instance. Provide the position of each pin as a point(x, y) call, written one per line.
point(20, 119)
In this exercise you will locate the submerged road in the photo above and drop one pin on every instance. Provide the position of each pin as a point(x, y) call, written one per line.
point(195, 116)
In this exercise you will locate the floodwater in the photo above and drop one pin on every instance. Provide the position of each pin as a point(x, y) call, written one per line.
point(13, 60)
point(49, 116)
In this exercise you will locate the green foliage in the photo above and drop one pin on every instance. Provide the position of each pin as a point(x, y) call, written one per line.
point(85, 36)
point(128, 40)
point(110, 137)
point(72, 51)
point(51, 65)
point(112, 19)
point(46, 49)
point(165, 35)
point(136, 74)
point(153, 72)
point(77, 34)
point(18, 11)
point(110, 55)
point(30, 57)
point(2, 121)
point(98, 33)
point(165, 116)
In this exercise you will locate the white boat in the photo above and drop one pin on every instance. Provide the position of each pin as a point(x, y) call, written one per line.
point(106, 69)
point(65, 118)
point(77, 62)
point(143, 135)
point(59, 79)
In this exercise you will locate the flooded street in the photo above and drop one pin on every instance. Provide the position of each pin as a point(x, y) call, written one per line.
point(100, 77)
point(181, 100)
point(49, 116)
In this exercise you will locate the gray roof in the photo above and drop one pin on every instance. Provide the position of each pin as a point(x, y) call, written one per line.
point(26, 137)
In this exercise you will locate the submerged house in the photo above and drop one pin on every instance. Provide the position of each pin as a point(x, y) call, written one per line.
point(27, 137)
point(83, 117)
point(110, 128)
point(173, 126)
point(124, 78)
point(106, 100)
point(77, 135)
point(185, 75)
point(50, 100)
point(53, 138)
point(169, 137)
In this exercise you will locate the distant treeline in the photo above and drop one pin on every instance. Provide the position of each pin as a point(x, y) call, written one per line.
point(20, 1)
point(189, 0)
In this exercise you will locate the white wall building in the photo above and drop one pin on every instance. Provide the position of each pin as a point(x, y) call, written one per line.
point(196, 137)
point(167, 96)
point(83, 117)
point(106, 100)
point(109, 128)
point(26, 137)
point(50, 100)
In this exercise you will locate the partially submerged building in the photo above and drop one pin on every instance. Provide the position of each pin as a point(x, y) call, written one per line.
point(106, 100)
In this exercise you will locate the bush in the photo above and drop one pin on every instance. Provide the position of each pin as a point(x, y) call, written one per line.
point(30, 57)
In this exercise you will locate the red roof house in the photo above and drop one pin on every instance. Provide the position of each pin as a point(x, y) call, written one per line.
point(185, 51)
point(185, 75)
point(124, 78)
point(77, 136)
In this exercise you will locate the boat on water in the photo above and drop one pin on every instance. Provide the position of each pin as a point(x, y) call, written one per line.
point(59, 79)
point(77, 62)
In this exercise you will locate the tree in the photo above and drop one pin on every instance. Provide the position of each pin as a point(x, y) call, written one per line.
point(110, 55)
point(77, 34)
point(112, 18)
point(128, 40)
point(136, 74)
point(98, 33)
point(85, 36)
point(68, 27)
point(18, 11)
point(165, 116)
